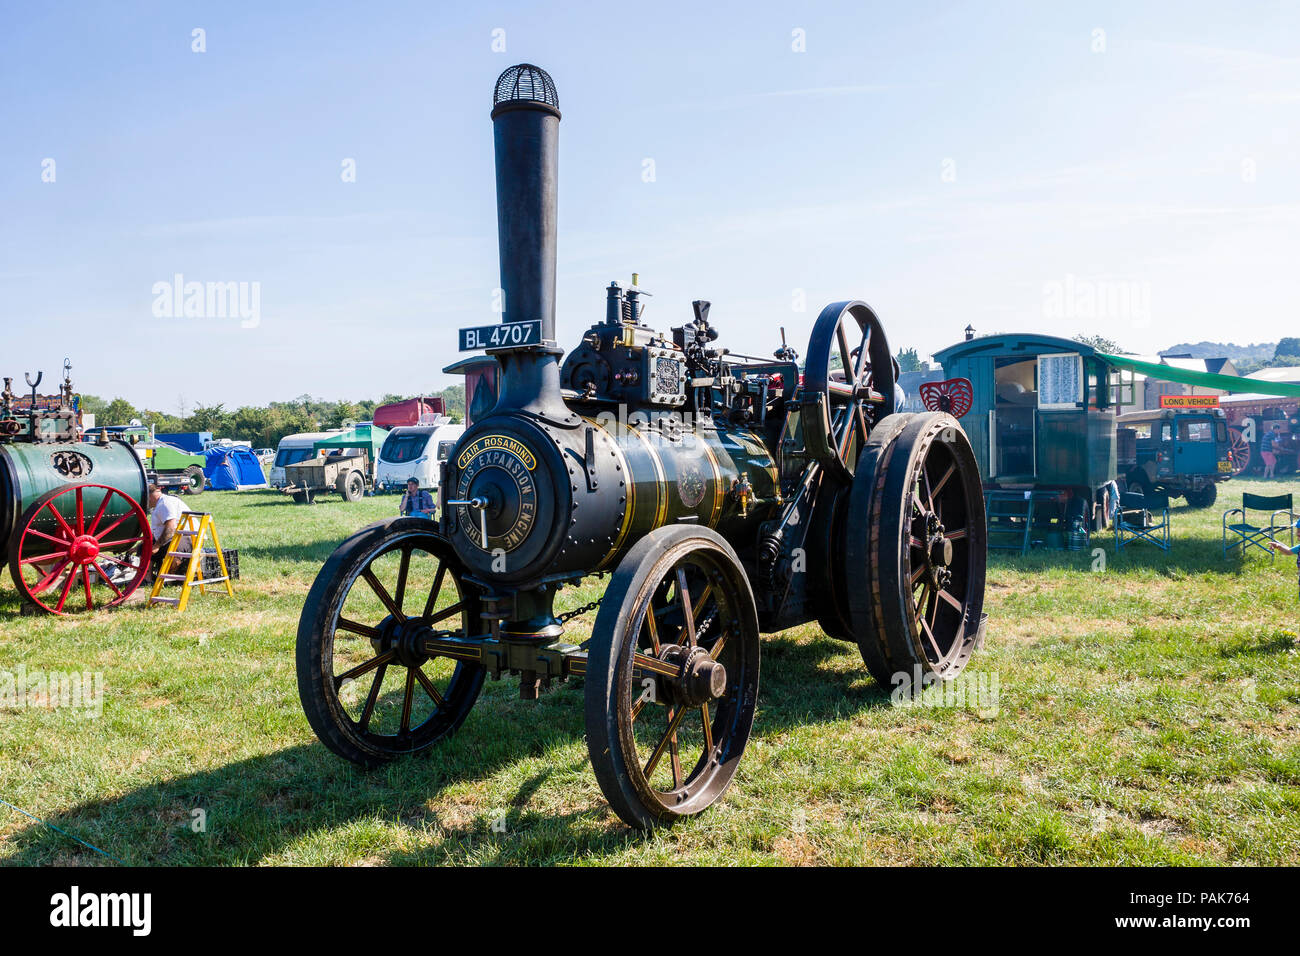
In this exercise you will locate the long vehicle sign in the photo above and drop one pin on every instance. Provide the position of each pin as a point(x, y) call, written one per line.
point(503, 335)
point(1189, 401)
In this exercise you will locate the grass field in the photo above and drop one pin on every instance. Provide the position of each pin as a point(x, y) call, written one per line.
point(1147, 713)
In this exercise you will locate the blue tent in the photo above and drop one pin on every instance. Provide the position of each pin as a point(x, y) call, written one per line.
point(233, 468)
point(192, 442)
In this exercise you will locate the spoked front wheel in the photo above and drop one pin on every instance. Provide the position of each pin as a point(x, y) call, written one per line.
point(672, 676)
point(370, 689)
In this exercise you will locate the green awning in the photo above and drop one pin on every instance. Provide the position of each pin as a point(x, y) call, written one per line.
point(1227, 383)
point(361, 436)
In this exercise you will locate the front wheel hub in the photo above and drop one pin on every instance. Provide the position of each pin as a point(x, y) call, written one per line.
point(406, 638)
point(701, 678)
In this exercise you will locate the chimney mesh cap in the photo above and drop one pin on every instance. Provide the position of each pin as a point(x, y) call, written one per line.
point(526, 82)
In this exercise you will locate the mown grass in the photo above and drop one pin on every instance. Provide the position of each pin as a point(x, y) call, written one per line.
point(1147, 713)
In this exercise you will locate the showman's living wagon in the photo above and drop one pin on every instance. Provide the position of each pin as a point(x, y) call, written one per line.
point(71, 519)
point(727, 495)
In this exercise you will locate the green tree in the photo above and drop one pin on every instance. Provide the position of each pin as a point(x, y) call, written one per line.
point(909, 361)
point(1100, 343)
point(208, 418)
point(1287, 346)
point(162, 422)
point(343, 414)
point(118, 412)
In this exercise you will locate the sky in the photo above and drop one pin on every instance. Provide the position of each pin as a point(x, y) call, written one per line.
point(1124, 169)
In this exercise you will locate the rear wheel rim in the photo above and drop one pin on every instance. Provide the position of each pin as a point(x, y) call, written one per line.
point(939, 555)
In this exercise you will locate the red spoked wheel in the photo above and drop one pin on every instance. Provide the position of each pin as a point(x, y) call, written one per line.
point(80, 548)
point(1240, 451)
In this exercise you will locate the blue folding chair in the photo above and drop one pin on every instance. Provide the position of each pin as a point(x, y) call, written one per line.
point(1247, 534)
point(1143, 517)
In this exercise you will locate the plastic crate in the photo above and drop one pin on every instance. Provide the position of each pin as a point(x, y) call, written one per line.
point(212, 568)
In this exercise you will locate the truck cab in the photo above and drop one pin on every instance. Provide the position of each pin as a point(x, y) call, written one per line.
point(1183, 452)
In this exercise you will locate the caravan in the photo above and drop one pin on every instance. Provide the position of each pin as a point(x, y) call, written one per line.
point(415, 451)
point(292, 450)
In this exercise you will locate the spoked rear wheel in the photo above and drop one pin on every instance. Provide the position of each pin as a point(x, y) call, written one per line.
point(828, 537)
point(917, 553)
point(672, 677)
point(370, 690)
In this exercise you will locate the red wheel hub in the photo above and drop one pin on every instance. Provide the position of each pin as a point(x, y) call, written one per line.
point(85, 548)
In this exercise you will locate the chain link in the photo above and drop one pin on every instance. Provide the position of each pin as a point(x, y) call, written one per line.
point(579, 611)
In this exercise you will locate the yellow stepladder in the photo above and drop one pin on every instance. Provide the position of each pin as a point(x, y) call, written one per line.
point(187, 528)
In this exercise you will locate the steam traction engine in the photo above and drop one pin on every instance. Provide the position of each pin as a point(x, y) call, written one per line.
point(75, 533)
point(727, 495)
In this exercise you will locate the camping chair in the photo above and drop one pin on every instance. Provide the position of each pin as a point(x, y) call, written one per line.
point(1245, 534)
point(1143, 517)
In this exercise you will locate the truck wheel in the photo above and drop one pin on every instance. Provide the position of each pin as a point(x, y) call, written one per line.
point(1137, 484)
point(195, 480)
point(351, 486)
point(1203, 498)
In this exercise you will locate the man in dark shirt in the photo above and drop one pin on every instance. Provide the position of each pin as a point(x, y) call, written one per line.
point(416, 503)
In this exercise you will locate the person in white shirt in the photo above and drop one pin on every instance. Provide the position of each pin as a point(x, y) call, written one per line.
point(164, 515)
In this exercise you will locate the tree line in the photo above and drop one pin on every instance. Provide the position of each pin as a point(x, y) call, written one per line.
point(264, 425)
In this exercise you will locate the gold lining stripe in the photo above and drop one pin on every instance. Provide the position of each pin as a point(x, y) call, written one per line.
point(661, 480)
point(719, 493)
point(629, 484)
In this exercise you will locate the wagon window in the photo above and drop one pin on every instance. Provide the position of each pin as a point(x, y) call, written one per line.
point(1122, 386)
point(1141, 429)
point(1060, 380)
point(1221, 431)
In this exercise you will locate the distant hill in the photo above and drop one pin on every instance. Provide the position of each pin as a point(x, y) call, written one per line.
point(1240, 354)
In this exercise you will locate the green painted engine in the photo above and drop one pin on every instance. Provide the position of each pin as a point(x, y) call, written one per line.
point(71, 517)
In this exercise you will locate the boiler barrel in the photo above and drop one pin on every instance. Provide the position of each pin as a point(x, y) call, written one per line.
point(559, 500)
point(28, 471)
point(692, 480)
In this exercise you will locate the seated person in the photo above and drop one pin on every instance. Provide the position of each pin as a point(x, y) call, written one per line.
point(164, 516)
point(416, 502)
